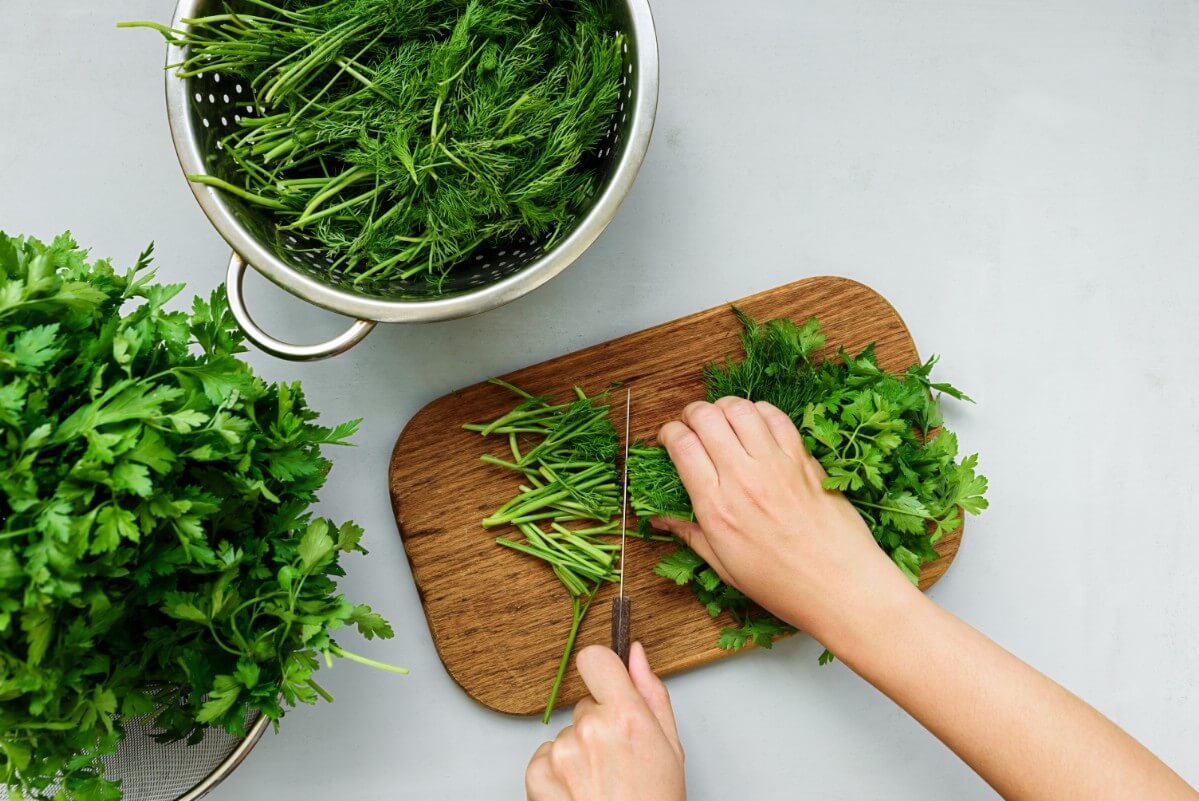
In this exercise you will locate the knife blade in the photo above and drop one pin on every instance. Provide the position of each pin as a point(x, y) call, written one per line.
point(621, 605)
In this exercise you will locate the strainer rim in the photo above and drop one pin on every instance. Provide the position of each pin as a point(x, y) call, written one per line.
point(230, 762)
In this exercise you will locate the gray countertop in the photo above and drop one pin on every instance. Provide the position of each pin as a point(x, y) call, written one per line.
point(1019, 177)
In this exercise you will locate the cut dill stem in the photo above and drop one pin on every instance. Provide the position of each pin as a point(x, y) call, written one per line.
point(565, 456)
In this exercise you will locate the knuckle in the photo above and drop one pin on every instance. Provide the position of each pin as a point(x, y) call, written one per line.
point(667, 429)
point(812, 469)
point(590, 730)
point(671, 432)
point(629, 719)
point(768, 408)
point(737, 407)
point(721, 514)
point(686, 443)
point(701, 412)
point(563, 752)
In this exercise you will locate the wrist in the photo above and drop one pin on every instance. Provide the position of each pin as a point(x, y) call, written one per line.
point(867, 616)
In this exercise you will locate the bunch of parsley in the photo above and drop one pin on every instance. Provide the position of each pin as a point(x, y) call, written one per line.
point(157, 554)
point(403, 135)
point(877, 434)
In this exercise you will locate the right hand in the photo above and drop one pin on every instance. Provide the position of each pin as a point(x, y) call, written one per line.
point(765, 522)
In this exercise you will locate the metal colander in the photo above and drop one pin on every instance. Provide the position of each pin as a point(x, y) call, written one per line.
point(152, 771)
point(202, 109)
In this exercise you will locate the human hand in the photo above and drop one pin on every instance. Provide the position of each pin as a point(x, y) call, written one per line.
point(767, 526)
point(622, 744)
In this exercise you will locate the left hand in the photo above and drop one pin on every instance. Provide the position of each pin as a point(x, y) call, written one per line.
point(622, 745)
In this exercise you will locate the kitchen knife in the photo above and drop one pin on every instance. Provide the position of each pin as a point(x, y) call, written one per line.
point(621, 606)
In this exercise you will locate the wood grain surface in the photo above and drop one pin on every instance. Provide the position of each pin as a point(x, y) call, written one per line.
point(498, 617)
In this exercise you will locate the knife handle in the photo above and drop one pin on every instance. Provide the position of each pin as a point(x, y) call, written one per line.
point(621, 609)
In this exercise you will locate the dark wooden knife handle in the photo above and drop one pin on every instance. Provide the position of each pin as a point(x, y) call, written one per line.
point(621, 609)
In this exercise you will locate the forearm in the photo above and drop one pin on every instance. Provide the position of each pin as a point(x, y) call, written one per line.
point(768, 526)
point(1024, 734)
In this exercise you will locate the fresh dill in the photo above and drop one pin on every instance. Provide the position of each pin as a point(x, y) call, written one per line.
point(401, 136)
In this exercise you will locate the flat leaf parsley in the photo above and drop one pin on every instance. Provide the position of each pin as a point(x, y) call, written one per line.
point(157, 552)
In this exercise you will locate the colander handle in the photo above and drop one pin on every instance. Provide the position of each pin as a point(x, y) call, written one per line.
point(277, 347)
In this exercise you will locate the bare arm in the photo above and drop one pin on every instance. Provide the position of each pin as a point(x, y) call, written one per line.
point(767, 526)
point(1027, 736)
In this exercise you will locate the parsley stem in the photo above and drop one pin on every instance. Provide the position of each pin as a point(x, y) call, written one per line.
point(337, 650)
point(20, 532)
point(893, 509)
point(220, 643)
point(321, 691)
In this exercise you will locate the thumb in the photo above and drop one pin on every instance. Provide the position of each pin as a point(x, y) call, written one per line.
point(694, 537)
point(653, 692)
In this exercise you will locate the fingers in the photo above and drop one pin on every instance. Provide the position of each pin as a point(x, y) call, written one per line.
point(585, 707)
point(540, 782)
point(695, 467)
point(714, 431)
point(693, 536)
point(653, 692)
point(605, 675)
point(782, 429)
point(747, 423)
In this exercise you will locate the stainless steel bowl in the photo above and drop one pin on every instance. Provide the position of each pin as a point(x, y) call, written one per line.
point(202, 109)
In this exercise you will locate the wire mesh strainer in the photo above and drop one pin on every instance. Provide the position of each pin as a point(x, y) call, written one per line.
point(152, 771)
point(201, 109)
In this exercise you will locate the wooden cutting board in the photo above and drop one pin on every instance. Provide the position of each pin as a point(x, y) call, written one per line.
point(499, 618)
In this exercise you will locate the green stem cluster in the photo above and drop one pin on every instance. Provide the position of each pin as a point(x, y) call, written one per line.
point(565, 453)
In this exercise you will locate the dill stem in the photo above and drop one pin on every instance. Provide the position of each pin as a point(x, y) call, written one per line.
point(577, 613)
point(308, 219)
point(213, 181)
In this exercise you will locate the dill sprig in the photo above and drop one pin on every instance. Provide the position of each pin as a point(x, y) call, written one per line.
point(403, 135)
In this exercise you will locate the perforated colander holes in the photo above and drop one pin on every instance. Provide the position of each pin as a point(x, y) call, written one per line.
point(626, 99)
point(489, 266)
point(221, 104)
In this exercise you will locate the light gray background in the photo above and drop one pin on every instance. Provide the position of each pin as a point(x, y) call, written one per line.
point(1021, 179)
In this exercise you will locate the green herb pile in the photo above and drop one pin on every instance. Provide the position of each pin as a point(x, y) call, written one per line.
point(404, 134)
point(157, 552)
point(876, 433)
point(568, 462)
